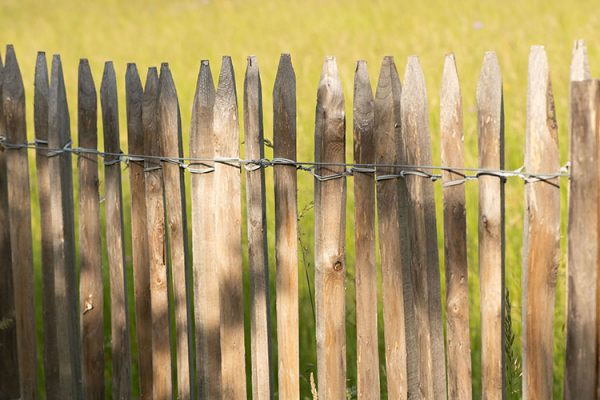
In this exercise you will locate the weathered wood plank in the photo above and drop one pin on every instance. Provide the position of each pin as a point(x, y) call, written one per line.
point(258, 258)
point(330, 227)
point(286, 229)
point(157, 243)
point(580, 67)
point(455, 236)
point(364, 236)
point(581, 354)
point(206, 282)
point(91, 289)
point(63, 238)
point(229, 241)
point(423, 232)
point(139, 231)
point(19, 219)
point(490, 132)
point(169, 128)
point(121, 357)
point(394, 247)
point(541, 231)
point(9, 362)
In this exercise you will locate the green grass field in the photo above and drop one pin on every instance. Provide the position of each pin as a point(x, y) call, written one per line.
point(184, 32)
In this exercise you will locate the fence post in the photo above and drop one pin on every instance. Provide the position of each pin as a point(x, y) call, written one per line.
point(455, 236)
point(286, 229)
point(229, 240)
point(541, 231)
point(330, 210)
point(423, 232)
point(581, 354)
point(9, 361)
point(90, 242)
point(141, 278)
point(171, 146)
point(157, 243)
point(258, 258)
point(206, 289)
point(121, 358)
point(364, 236)
point(490, 131)
point(394, 247)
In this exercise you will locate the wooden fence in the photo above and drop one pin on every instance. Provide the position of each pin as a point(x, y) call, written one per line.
point(393, 188)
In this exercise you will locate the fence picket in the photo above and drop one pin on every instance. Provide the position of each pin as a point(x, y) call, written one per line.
point(169, 127)
point(330, 210)
point(157, 243)
point(206, 289)
point(90, 242)
point(541, 231)
point(121, 358)
point(490, 131)
point(286, 229)
point(364, 235)
point(455, 236)
point(258, 258)
point(229, 240)
point(141, 278)
point(423, 232)
point(581, 354)
point(9, 371)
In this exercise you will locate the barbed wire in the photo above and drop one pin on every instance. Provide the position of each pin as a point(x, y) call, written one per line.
point(199, 165)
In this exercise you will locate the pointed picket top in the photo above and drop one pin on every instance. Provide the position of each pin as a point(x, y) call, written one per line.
point(415, 118)
point(284, 109)
point(226, 96)
point(253, 128)
point(110, 110)
point(363, 114)
point(450, 99)
point(225, 123)
point(87, 106)
point(13, 98)
point(580, 68)
point(133, 103)
point(149, 114)
point(201, 142)
point(330, 95)
point(59, 131)
point(168, 112)
point(489, 87)
point(40, 97)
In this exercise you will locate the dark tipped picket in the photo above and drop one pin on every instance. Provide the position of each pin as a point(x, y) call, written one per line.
point(169, 129)
point(490, 132)
point(162, 387)
point(121, 354)
point(229, 239)
point(260, 321)
point(330, 221)
point(286, 229)
point(91, 290)
point(458, 340)
point(206, 286)
point(19, 218)
point(364, 236)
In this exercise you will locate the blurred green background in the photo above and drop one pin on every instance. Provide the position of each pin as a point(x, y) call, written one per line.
point(184, 32)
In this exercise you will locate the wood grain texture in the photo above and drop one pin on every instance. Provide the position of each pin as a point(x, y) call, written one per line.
point(63, 238)
point(121, 357)
point(139, 231)
point(286, 229)
point(455, 236)
point(206, 282)
point(91, 291)
point(258, 258)
point(580, 67)
point(541, 231)
point(423, 236)
point(394, 247)
point(330, 227)
point(9, 361)
point(229, 240)
point(19, 219)
point(157, 244)
point(490, 132)
point(169, 129)
point(364, 236)
point(581, 354)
